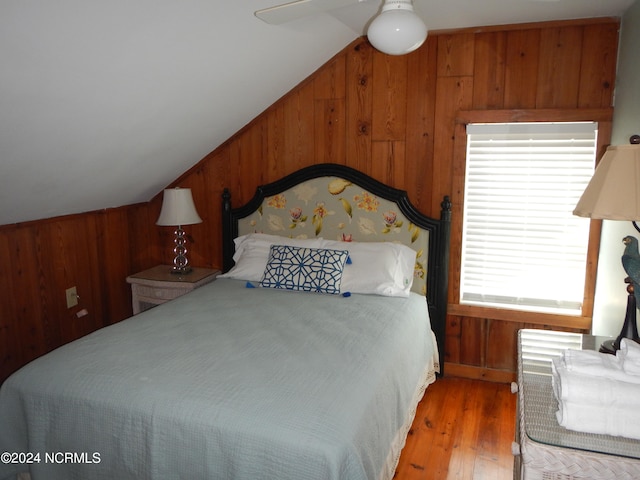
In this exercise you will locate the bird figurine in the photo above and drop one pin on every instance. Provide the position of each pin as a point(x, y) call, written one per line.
point(631, 264)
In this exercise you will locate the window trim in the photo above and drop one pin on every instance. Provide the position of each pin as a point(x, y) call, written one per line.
point(604, 118)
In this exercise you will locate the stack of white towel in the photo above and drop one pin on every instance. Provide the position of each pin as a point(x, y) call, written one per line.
point(598, 392)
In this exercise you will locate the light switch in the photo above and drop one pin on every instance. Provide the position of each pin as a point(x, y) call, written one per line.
point(72, 297)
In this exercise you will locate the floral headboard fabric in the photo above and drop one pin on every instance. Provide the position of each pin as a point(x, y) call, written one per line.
point(338, 209)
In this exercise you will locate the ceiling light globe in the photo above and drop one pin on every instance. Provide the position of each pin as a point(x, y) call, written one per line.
point(397, 32)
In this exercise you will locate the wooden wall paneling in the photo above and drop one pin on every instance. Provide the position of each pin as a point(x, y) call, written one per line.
point(452, 95)
point(502, 345)
point(456, 54)
point(10, 354)
point(123, 237)
point(359, 102)
point(215, 174)
point(247, 160)
point(453, 339)
point(454, 92)
point(329, 81)
point(144, 237)
point(489, 70)
point(30, 339)
point(68, 256)
point(598, 68)
point(559, 69)
point(88, 272)
point(274, 145)
point(521, 74)
point(330, 127)
point(56, 271)
point(473, 341)
point(421, 88)
point(330, 131)
point(389, 121)
point(211, 206)
point(299, 121)
point(388, 162)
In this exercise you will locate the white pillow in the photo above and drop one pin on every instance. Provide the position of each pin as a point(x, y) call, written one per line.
point(252, 253)
point(379, 268)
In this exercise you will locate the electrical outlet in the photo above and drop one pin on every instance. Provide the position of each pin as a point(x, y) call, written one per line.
point(72, 297)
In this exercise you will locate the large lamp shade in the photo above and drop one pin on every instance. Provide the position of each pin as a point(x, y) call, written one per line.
point(614, 191)
point(178, 208)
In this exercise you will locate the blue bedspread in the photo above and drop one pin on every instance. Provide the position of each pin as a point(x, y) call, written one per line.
point(224, 383)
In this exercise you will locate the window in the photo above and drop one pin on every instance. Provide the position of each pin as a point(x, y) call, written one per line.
point(522, 247)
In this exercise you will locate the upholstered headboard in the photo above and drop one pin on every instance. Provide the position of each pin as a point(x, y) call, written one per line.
point(339, 203)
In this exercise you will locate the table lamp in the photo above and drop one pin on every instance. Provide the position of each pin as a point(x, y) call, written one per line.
point(177, 210)
point(614, 194)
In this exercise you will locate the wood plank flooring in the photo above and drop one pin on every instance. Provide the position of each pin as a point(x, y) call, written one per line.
point(463, 430)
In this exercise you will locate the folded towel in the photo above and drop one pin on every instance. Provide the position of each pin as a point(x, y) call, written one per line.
point(620, 422)
point(629, 354)
point(596, 364)
point(590, 361)
point(595, 394)
point(593, 390)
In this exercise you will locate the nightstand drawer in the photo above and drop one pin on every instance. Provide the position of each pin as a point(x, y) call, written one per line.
point(164, 293)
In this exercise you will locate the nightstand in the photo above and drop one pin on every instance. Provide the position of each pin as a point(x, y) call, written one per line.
point(546, 451)
point(158, 285)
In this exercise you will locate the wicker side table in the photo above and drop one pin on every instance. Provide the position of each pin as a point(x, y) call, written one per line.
point(546, 451)
point(158, 285)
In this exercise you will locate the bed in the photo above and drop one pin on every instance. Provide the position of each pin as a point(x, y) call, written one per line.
point(308, 366)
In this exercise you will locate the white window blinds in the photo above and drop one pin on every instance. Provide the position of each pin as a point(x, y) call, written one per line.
point(522, 247)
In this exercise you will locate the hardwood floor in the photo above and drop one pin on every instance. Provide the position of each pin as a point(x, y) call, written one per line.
point(463, 430)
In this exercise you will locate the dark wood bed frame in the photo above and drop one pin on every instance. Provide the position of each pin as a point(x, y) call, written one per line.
point(439, 230)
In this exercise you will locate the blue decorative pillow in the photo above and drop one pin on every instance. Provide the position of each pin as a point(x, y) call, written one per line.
point(306, 269)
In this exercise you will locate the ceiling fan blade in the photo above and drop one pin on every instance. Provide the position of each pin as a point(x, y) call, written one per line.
point(287, 12)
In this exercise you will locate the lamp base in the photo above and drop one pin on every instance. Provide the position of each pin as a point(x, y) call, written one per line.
point(607, 347)
point(180, 262)
point(180, 270)
point(629, 328)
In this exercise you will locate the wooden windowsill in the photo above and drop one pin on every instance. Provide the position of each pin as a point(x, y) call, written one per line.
point(507, 315)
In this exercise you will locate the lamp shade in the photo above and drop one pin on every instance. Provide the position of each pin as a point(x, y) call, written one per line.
point(614, 190)
point(178, 208)
point(397, 30)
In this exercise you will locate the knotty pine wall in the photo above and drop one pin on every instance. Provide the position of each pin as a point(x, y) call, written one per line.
point(398, 119)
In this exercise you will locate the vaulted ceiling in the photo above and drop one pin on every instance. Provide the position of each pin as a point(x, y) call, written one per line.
point(104, 103)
